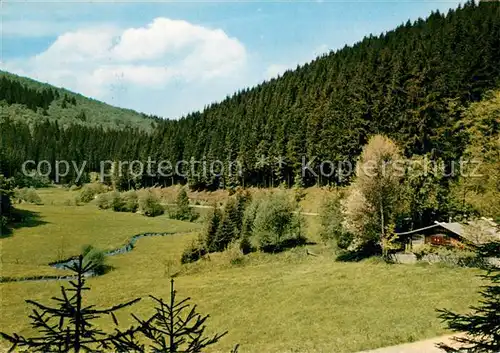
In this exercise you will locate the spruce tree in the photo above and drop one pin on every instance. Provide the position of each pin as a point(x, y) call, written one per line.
point(182, 210)
point(68, 326)
point(176, 327)
point(227, 230)
point(6, 193)
point(214, 220)
point(482, 325)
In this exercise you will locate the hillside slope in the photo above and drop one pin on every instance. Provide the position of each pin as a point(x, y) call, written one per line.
point(31, 101)
point(413, 84)
point(410, 83)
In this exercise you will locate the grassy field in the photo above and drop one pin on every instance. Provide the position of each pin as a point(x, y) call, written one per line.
point(289, 302)
point(56, 232)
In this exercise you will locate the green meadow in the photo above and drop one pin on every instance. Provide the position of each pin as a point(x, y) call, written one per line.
point(287, 302)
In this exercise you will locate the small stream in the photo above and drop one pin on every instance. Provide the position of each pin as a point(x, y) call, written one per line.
point(63, 263)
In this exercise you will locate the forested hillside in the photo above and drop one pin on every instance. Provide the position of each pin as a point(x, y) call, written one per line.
point(412, 84)
point(33, 102)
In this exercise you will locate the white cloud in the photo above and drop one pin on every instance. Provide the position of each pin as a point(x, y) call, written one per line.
point(96, 59)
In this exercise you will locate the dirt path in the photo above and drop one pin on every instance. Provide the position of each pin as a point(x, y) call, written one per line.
point(425, 346)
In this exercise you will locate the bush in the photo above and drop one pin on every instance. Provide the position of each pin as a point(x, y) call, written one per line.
point(97, 257)
point(276, 226)
point(129, 201)
point(181, 210)
point(126, 202)
point(149, 204)
point(116, 201)
point(33, 181)
point(89, 192)
point(193, 253)
point(332, 218)
point(246, 245)
point(4, 221)
point(448, 255)
point(28, 195)
point(235, 255)
point(103, 201)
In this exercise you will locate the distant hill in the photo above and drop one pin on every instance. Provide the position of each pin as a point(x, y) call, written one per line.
point(31, 101)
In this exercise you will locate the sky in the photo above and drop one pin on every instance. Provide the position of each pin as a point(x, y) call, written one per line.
point(172, 58)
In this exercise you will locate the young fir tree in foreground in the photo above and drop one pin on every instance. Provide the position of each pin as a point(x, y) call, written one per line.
point(482, 325)
point(176, 327)
point(68, 326)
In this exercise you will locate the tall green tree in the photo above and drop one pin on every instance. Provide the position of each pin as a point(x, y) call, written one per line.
point(482, 324)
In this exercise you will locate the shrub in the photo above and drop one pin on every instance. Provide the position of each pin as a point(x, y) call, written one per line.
point(96, 257)
point(103, 201)
point(235, 255)
point(448, 255)
point(149, 204)
point(4, 221)
point(129, 201)
point(193, 253)
point(28, 195)
point(6, 193)
point(246, 245)
point(276, 226)
point(35, 180)
point(116, 201)
point(89, 191)
point(32, 197)
point(181, 210)
point(332, 218)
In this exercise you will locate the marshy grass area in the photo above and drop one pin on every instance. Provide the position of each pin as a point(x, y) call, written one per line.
point(286, 302)
point(61, 231)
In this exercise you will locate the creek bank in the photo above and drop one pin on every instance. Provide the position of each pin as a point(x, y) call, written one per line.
point(61, 264)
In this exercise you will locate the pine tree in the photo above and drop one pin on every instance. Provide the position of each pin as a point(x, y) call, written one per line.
point(6, 193)
point(209, 238)
point(182, 210)
point(182, 202)
point(69, 327)
point(176, 327)
point(227, 230)
point(482, 325)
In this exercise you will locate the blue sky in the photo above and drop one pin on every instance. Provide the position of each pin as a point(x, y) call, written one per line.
point(170, 58)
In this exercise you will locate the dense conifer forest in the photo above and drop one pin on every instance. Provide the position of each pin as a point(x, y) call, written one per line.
point(412, 84)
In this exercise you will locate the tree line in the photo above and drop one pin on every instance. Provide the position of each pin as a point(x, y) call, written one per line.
point(410, 84)
point(14, 92)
